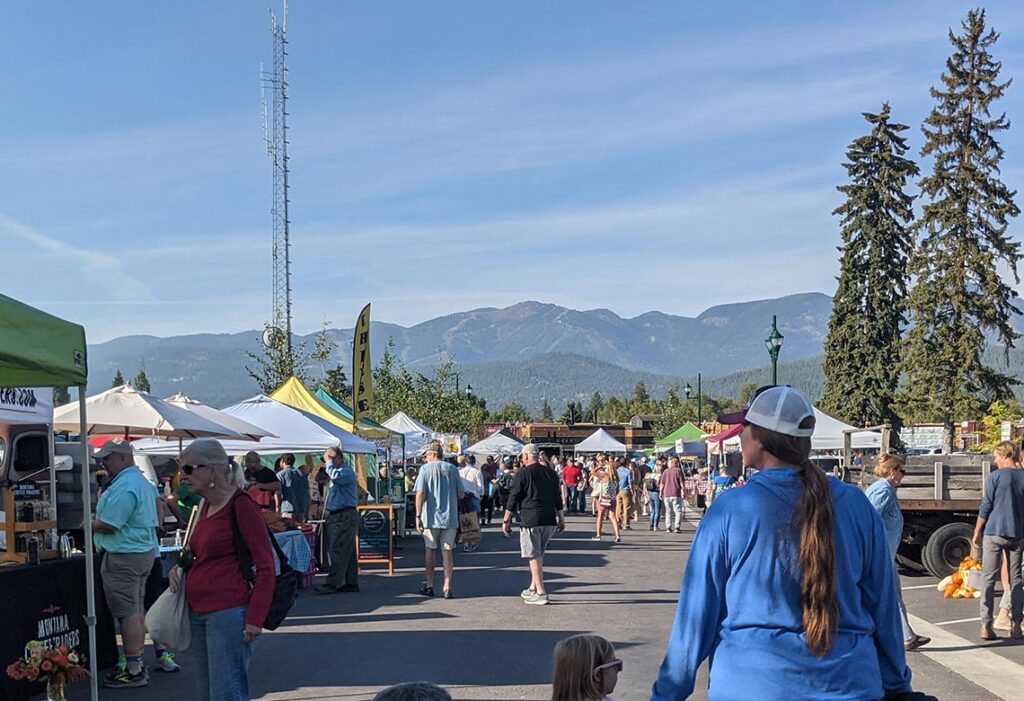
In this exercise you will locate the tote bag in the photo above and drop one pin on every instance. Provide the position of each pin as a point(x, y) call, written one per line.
point(168, 618)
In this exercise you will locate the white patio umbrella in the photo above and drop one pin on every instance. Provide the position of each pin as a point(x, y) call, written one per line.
point(246, 429)
point(125, 411)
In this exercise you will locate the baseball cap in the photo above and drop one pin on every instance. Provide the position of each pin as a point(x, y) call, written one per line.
point(778, 408)
point(531, 449)
point(115, 446)
point(205, 451)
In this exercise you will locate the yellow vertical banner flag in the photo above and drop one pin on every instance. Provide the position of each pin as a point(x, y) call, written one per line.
point(362, 370)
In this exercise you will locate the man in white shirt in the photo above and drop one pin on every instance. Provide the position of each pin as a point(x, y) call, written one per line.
point(473, 485)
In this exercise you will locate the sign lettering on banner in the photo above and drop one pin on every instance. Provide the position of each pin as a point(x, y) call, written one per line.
point(26, 405)
point(362, 370)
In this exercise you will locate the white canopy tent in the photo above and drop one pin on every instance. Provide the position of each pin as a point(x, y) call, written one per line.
point(295, 431)
point(244, 428)
point(828, 434)
point(600, 441)
point(498, 443)
point(126, 411)
point(416, 435)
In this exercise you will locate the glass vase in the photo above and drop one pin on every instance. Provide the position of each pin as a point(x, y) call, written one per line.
point(56, 690)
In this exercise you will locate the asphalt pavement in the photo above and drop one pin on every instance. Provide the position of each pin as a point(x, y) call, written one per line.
point(487, 644)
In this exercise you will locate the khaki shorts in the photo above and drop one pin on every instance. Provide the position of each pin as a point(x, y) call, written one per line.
point(124, 578)
point(443, 536)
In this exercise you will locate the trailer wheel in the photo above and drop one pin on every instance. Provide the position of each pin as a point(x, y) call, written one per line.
point(947, 547)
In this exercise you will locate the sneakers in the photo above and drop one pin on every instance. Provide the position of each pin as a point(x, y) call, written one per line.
point(166, 663)
point(916, 642)
point(527, 593)
point(597, 538)
point(535, 599)
point(469, 548)
point(618, 539)
point(123, 679)
point(122, 662)
point(426, 591)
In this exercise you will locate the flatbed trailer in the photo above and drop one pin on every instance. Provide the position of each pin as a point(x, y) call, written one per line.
point(940, 497)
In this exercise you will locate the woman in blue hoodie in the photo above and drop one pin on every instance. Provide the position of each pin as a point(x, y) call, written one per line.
point(789, 580)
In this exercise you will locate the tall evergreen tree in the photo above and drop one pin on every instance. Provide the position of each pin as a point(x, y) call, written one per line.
point(862, 351)
point(61, 396)
point(118, 379)
point(546, 414)
point(593, 409)
point(959, 297)
point(142, 382)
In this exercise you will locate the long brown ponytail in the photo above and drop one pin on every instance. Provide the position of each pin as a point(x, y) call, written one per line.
point(815, 518)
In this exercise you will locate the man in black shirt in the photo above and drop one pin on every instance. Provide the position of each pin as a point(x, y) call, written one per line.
point(537, 495)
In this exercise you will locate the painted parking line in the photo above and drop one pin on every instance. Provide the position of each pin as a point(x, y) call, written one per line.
point(919, 586)
point(990, 671)
point(959, 620)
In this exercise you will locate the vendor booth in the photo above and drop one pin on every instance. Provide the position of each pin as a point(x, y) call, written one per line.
point(415, 435)
point(293, 431)
point(828, 434)
point(600, 441)
point(687, 433)
point(294, 394)
point(499, 443)
point(58, 597)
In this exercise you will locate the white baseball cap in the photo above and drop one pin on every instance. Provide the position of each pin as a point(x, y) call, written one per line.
point(778, 408)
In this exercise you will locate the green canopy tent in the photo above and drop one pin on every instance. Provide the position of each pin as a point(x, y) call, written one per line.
point(687, 433)
point(40, 350)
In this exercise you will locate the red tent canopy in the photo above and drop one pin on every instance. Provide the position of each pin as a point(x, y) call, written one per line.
point(726, 434)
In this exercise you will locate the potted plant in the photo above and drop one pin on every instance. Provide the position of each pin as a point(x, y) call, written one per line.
point(56, 667)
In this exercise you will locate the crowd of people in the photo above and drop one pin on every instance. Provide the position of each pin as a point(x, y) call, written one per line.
point(816, 553)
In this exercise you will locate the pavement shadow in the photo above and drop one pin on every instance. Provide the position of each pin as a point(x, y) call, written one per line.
point(448, 658)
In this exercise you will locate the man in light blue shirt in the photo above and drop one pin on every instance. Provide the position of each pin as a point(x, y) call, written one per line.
point(342, 525)
point(125, 530)
point(438, 490)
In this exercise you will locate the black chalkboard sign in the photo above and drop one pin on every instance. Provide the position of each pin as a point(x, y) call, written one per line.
point(374, 544)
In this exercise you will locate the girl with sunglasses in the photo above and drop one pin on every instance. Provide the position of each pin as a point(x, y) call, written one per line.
point(586, 669)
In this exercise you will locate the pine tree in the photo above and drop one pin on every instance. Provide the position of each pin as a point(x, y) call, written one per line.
point(862, 351)
point(142, 382)
point(118, 380)
point(594, 408)
point(61, 396)
point(959, 296)
point(546, 415)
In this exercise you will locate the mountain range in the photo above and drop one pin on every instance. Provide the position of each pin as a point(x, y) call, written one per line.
point(526, 352)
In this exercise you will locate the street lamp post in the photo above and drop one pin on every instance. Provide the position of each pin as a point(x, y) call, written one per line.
point(688, 390)
point(774, 344)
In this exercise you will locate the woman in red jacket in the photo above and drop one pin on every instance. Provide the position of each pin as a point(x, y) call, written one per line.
point(227, 613)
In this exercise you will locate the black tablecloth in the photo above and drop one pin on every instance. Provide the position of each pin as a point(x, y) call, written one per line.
point(47, 602)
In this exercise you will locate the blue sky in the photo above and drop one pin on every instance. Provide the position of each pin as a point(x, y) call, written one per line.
point(448, 155)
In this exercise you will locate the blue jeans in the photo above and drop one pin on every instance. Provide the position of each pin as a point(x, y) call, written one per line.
point(571, 497)
point(655, 508)
point(220, 655)
point(473, 503)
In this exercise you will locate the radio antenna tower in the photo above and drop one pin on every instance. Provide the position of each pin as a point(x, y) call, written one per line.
point(275, 133)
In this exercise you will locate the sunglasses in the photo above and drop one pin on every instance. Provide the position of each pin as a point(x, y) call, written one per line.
point(614, 664)
point(187, 469)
